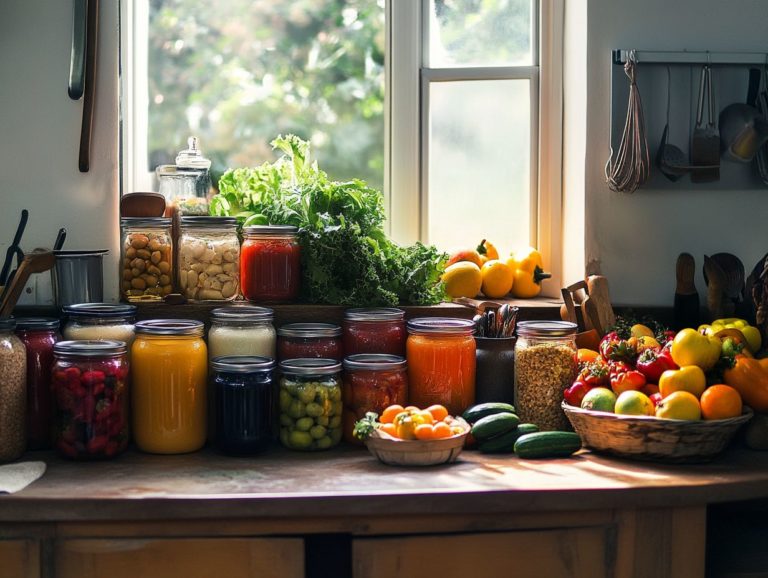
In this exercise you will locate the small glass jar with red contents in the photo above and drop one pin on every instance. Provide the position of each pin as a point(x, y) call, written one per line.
point(372, 382)
point(270, 263)
point(375, 330)
point(309, 340)
point(90, 392)
point(39, 335)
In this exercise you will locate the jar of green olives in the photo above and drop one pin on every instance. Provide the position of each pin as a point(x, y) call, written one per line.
point(310, 404)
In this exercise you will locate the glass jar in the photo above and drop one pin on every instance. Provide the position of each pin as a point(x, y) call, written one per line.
point(545, 366)
point(170, 366)
point(319, 340)
point(186, 185)
point(372, 382)
point(441, 362)
point(13, 393)
point(95, 321)
point(376, 330)
point(270, 264)
point(209, 258)
point(242, 386)
point(147, 258)
point(39, 334)
point(90, 392)
point(241, 330)
point(310, 403)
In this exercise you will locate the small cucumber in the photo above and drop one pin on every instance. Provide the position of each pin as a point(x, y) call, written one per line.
point(477, 412)
point(505, 443)
point(493, 425)
point(547, 444)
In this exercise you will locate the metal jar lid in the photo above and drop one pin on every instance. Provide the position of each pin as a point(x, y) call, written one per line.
point(170, 327)
point(258, 230)
point(374, 314)
point(441, 326)
point(309, 330)
point(206, 222)
point(7, 324)
point(309, 367)
point(149, 222)
point(373, 362)
point(242, 363)
point(242, 314)
point(110, 310)
point(546, 328)
point(37, 323)
point(90, 348)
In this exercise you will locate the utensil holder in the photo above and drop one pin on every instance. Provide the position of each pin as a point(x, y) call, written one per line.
point(495, 373)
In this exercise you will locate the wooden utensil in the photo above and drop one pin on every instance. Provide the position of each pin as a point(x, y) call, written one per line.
point(142, 205)
point(91, 41)
point(37, 262)
point(716, 281)
point(601, 301)
point(686, 305)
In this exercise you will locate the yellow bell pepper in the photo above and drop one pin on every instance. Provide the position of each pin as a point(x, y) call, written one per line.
point(529, 273)
point(750, 333)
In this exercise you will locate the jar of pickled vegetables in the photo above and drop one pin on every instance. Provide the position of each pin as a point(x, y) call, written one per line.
point(94, 321)
point(372, 382)
point(375, 330)
point(147, 258)
point(441, 362)
point(90, 391)
point(310, 403)
point(209, 258)
point(270, 263)
point(244, 403)
point(320, 340)
point(241, 330)
point(170, 366)
point(39, 335)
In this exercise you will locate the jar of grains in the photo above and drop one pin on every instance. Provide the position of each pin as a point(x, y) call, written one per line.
point(147, 258)
point(241, 330)
point(99, 321)
point(209, 258)
point(545, 365)
point(13, 393)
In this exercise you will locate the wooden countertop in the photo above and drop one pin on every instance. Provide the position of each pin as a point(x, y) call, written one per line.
point(349, 482)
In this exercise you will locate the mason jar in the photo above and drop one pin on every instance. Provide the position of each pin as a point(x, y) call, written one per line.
point(242, 330)
point(13, 393)
point(147, 258)
point(270, 264)
point(95, 321)
point(321, 340)
point(209, 258)
point(374, 330)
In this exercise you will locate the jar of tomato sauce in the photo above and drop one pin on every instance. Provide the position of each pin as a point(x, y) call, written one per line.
point(441, 362)
point(372, 382)
point(305, 340)
point(170, 366)
point(375, 330)
point(270, 263)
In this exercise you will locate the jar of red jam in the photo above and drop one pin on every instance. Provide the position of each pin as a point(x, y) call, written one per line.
point(372, 382)
point(270, 263)
point(39, 334)
point(309, 340)
point(90, 391)
point(376, 330)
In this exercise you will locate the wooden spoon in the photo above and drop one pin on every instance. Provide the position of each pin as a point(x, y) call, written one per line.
point(37, 262)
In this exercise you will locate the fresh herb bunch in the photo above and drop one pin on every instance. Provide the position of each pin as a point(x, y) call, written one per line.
point(346, 257)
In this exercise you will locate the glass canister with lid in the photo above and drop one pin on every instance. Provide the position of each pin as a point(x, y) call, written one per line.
point(320, 340)
point(95, 321)
point(441, 362)
point(90, 391)
point(310, 403)
point(374, 330)
point(545, 366)
point(270, 263)
point(241, 330)
point(147, 258)
point(209, 258)
point(13, 392)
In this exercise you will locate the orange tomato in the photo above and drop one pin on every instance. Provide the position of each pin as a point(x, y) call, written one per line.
point(439, 412)
point(424, 431)
point(388, 415)
point(720, 402)
point(426, 415)
point(388, 428)
point(441, 430)
point(411, 408)
point(587, 355)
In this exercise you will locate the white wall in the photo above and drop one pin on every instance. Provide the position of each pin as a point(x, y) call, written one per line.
point(635, 239)
point(40, 130)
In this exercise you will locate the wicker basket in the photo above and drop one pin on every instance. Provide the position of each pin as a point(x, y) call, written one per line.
point(397, 452)
point(655, 439)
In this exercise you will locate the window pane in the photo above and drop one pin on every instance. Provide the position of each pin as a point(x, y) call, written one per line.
point(480, 33)
point(236, 73)
point(479, 164)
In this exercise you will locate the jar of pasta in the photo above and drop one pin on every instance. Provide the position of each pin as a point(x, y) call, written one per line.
point(147, 258)
point(209, 258)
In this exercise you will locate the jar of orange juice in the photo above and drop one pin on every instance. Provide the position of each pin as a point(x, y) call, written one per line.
point(441, 362)
point(169, 374)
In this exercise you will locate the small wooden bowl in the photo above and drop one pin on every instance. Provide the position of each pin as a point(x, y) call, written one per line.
point(654, 439)
point(397, 452)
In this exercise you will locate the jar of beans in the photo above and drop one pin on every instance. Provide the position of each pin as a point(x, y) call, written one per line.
point(147, 258)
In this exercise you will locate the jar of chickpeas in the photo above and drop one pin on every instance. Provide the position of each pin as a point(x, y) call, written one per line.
point(147, 258)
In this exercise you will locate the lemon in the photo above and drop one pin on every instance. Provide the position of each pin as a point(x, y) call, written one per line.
point(497, 278)
point(462, 279)
point(633, 403)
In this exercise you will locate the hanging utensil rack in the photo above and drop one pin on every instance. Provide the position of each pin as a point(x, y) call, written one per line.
point(691, 57)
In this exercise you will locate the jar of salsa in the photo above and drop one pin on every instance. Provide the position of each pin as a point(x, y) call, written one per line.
point(170, 367)
point(441, 362)
point(39, 334)
point(270, 263)
point(90, 391)
point(372, 382)
point(304, 340)
point(376, 330)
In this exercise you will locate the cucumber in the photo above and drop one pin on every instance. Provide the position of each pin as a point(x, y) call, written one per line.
point(505, 443)
point(477, 412)
point(547, 444)
point(493, 425)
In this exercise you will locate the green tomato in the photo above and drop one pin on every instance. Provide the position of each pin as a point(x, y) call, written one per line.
point(286, 420)
point(285, 399)
point(299, 439)
point(324, 443)
point(307, 393)
point(323, 420)
point(317, 432)
point(297, 409)
point(335, 422)
point(314, 409)
point(338, 407)
point(335, 393)
point(304, 424)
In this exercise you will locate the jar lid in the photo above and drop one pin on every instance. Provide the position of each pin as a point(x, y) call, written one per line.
point(546, 328)
point(170, 327)
point(307, 366)
point(79, 254)
point(374, 314)
point(208, 222)
point(374, 361)
point(110, 310)
point(36, 323)
point(257, 230)
point(242, 363)
point(7, 324)
point(145, 222)
point(444, 325)
point(90, 348)
point(242, 313)
point(307, 330)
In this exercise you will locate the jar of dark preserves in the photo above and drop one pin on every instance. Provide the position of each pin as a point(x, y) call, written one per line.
point(375, 330)
point(305, 340)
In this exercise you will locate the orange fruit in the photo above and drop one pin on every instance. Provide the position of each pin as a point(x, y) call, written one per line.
point(462, 279)
point(720, 402)
point(441, 430)
point(439, 412)
point(497, 279)
point(388, 415)
point(388, 428)
point(587, 355)
point(679, 405)
point(424, 431)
